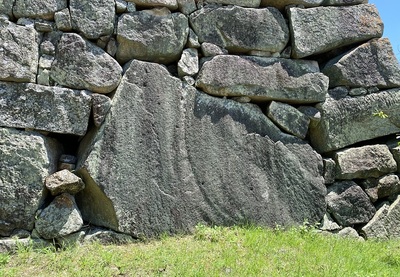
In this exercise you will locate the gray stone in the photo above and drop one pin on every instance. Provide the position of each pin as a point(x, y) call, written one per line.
point(64, 182)
point(120, 6)
point(321, 29)
point(281, 4)
point(38, 9)
point(105, 237)
point(100, 107)
point(80, 64)
point(358, 91)
point(263, 79)
point(152, 38)
point(93, 18)
point(289, 118)
point(343, 2)
point(339, 92)
point(47, 48)
point(242, 3)
point(349, 204)
point(6, 7)
point(241, 29)
point(349, 120)
point(26, 158)
point(188, 65)
point(371, 64)
point(63, 20)
point(312, 113)
point(71, 240)
point(364, 162)
point(174, 178)
point(170, 4)
point(193, 40)
point(396, 155)
point(329, 171)
point(210, 50)
point(12, 245)
point(385, 224)
point(52, 109)
point(19, 48)
point(388, 185)
point(351, 233)
point(44, 26)
point(328, 224)
point(187, 6)
point(60, 218)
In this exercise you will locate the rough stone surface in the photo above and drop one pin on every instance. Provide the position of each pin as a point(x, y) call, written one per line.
point(19, 57)
point(364, 162)
point(26, 158)
point(396, 155)
point(174, 178)
point(329, 171)
point(371, 64)
point(318, 30)
point(379, 188)
point(349, 204)
point(188, 65)
point(60, 218)
point(289, 119)
point(170, 4)
point(38, 9)
point(349, 232)
point(93, 18)
point(263, 79)
point(107, 237)
point(64, 182)
point(187, 6)
point(193, 40)
point(53, 109)
point(385, 224)
point(281, 4)
point(152, 38)
point(100, 107)
point(6, 7)
point(80, 64)
point(240, 29)
point(328, 224)
point(63, 20)
point(349, 120)
point(343, 2)
point(11, 246)
point(312, 113)
point(242, 3)
point(210, 50)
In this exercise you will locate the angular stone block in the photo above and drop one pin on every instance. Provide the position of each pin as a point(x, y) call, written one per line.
point(241, 30)
point(64, 181)
point(263, 79)
point(321, 29)
point(52, 109)
point(170, 4)
point(44, 9)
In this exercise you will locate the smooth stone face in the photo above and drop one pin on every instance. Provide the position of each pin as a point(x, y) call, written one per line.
point(150, 37)
point(289, 119)
point(38, 9)
point(170, 4)
point(174, 178)
point(371, 64)
point(241, 30)
point(64, 182)
point(364, 162)
point(263, 79)
point(60, 218)
point(93, 18)
point(80, 64)
point(349, 204)
point(350, 120)
point(26, 158)
point(321, 29)
point(385, 224)
point(51, 109)
point(20, 52)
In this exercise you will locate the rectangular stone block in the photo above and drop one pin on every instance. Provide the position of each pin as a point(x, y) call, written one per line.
point(52, 109)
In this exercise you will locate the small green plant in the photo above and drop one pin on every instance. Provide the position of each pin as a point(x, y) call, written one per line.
point(4, 259)
point(380, 114)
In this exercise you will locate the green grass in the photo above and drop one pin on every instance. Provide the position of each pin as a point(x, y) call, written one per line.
point(217, 251)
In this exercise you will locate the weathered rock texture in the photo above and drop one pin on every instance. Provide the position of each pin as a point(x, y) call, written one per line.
point(173, 178)
point(180, 112)
point(26, 158)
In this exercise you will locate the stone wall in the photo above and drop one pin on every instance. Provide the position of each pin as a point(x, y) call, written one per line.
point(143, 117)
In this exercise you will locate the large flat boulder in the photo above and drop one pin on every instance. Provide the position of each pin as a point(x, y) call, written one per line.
point(20, 52)
point(44, 9)
point(79, 64)
point(241, 30)
point(321, 29)
point(373, 64)
point(52, 109)
point(26, 158)
point(263, 79)
point(156, 38)
point(349, 120)
point(385, 224)
point(93, 18)
point(168, 158)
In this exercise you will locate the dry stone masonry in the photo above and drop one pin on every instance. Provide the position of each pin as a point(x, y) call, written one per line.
point(123, 119)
